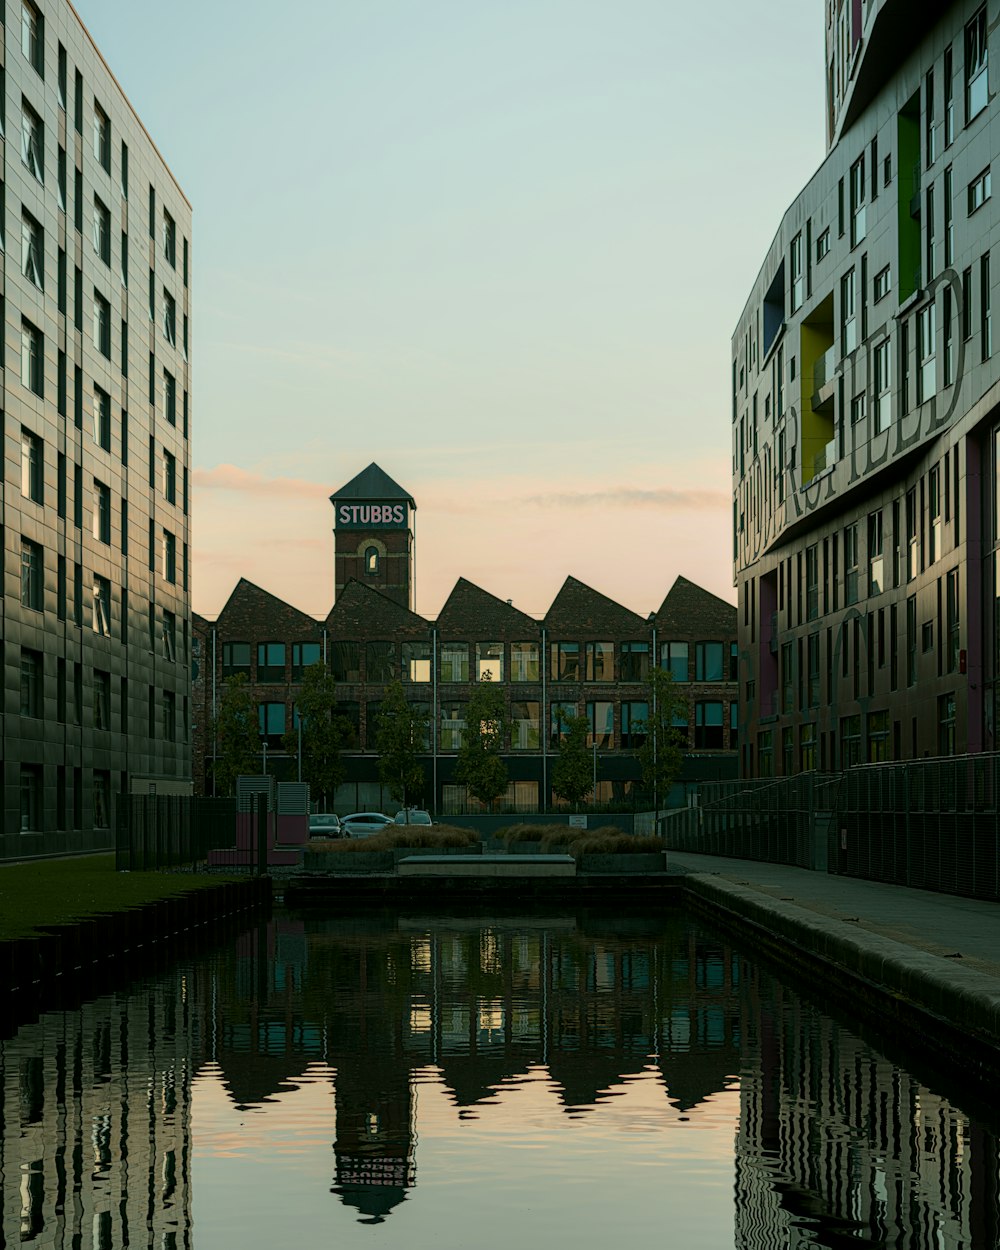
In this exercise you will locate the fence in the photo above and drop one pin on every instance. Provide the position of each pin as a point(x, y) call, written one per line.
point(933, 824)
point(170, 830)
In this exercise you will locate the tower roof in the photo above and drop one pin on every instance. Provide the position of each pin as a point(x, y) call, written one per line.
point(370, 484)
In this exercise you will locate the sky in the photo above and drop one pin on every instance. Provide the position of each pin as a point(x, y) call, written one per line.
point(498, 247)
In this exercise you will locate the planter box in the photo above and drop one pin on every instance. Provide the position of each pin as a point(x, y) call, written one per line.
point(345, 863)
point(407, 852)
point(613, 865)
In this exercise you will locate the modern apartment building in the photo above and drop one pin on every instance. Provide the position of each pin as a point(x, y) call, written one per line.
point(866, 434)
point(588, 656)
point(96, 421)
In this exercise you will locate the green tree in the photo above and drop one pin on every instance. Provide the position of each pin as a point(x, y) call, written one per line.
point(400, 732)
point(323, 732)
point(662, 753)
point(236, 733)
point(480, 766)
point(573, 769)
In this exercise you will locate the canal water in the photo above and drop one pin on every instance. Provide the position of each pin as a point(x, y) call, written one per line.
point(447, 1081)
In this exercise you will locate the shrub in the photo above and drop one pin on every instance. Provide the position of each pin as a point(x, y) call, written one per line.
point(522, 833)
point(611, 841)
point(417, 836)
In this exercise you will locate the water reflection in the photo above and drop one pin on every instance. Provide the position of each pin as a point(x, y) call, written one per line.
point(669, 1057)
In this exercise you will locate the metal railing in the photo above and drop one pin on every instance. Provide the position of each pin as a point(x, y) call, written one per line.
point(170, 830)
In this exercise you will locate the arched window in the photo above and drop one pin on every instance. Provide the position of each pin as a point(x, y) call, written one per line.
point(371, 561)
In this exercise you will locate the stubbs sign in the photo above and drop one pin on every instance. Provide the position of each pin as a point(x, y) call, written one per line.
point(367, 516)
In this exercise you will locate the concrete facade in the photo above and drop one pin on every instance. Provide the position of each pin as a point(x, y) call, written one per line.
point(96, 435)
point(865, 383)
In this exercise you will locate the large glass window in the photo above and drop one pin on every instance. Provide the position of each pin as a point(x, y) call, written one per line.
point(304, 654)
point(926, 359)
point(33, 36)
point(635, 721)
point(600, 661)
point(565, 661)
point(345, 661)
point(380, 660)
point(454, 661)
point(489, 661)
point(708, 726)
point(452, 724)
point(976, 66)
point(634, 661)
point(674, 658)
point(524, 661)
point(271, 719)
point(416, 665)
point(708, 663)
point(270, 661)
point(524, 725)
point(235, 658)
point(601, 725)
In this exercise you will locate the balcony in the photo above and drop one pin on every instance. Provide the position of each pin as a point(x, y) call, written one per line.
point(824, 380)
point(826, 458)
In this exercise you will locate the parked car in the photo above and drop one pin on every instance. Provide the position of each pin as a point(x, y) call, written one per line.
point(324, 825)
point(415, 816)
point(364, 824)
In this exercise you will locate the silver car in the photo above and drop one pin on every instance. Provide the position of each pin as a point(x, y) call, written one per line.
point(364, 824)
point(415, 816)
point(324, 825)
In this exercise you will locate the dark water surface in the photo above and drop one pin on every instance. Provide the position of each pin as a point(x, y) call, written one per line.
point(450, 1082)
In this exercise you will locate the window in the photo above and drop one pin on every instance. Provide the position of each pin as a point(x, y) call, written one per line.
point(31, 466)
point(875, 555)
point(795, 270)
point(848, 319)
point(979, 191)
point(102, 138)
point(882, 361)
point(934, 507)
point(33, 37)
point(102, 512)
point(31, 357)
point(169, 556)
point(102, 418)
point(101, 619)
point(102, 699)
point(911, 641)
point(708, 661)
point(634, 661)
point(31, 575)
point(812, 583)
point(270, 661)
point(850, 565)
point(525, 725)
point(930, 133)
point(812, 656)
point(524, 661)
point(930, 233)
point(635, 723)
point(600, 661)
point(857, 201)
point(926, 364)
point(416, 666)
point(949, 338)
point(454, 661)
point(169, 240)
point(952, 620)
point(559, 714)
point(565, 658)
point(124, 268)
point(859, 408)
point(32, 251)
point(32, 143)
point(169, 318)
point(152, 212)
point(600, 725)
point(380, 658)
point(850, 741)
point(169, 635)
point(61, 178)
point(949, 98)
point(31, 683)
point(985, 311)
point(235, 658)
point(708, 727)
point(31, 797)
point(271, 719)
point(452, 724)
point(304, 654)
point(946, 723)
point(102, 231)
point(878, 737)
point(170, 403)
point(674, 658)
point(489, 661)
point(372, 561)
point(882, 283)
point(976, 75)
point(823, 245)
point(949, 217)
point(912, 542)
point(102, 324)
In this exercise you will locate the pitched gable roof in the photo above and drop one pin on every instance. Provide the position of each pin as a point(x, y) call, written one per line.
point(257, 614)
point(361, 611)
point(470, 611)
point(580, 611)
point(687, 604)
point(372, 483)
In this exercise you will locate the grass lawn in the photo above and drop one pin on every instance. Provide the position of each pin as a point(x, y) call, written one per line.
point(58, 891)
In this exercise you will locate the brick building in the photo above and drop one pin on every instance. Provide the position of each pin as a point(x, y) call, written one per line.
point(587, 656)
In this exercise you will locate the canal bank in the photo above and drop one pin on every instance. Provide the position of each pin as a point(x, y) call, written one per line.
point(922, 964)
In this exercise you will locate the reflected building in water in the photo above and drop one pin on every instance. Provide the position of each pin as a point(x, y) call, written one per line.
point(95, 1148)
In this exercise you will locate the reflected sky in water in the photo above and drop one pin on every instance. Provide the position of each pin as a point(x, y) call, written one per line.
point(440, 1081)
